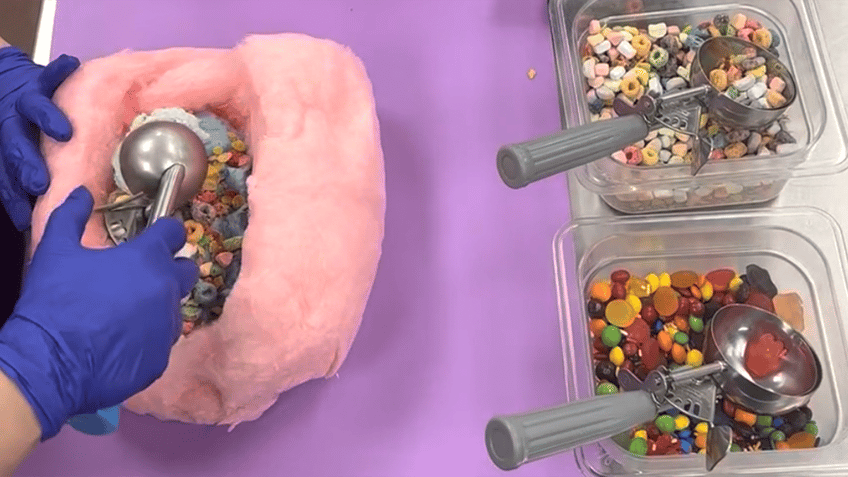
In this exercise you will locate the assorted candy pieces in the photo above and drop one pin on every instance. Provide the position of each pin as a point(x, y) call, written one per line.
point(642, 323)
point(215, 221)
point(626, 62)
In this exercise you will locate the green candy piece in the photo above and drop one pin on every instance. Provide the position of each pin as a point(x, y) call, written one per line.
point(611, 336)
point(735, 448)
point(665, 424)
point(606, 388)
point(765, 432)
point(233, 243)
point(673, 366)
point(811, 428)
point(216, 270)
point(696, 324)
point(764, 421)
point(681, 337)
point(777, 436)
point(658, 58)
point(190, 312)
point(732, 92)
point(638, 446)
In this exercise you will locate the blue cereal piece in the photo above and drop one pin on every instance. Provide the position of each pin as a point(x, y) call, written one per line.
point(720, 141)
point(686, 433)
point(658, 326)
point(217, 131)
point(777, 422)
point(673, 412)
point(775, 38)
point(204, 293)
point(231, 272)
point(685, 446)
point(236, 179)
point(234, 224)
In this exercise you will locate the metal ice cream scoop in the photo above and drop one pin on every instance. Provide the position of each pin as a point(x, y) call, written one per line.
point(527, 162)
point(518, 439)
point(164, 160)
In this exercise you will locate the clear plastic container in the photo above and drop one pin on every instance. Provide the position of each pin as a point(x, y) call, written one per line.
point(803, 250)
point(816, 119)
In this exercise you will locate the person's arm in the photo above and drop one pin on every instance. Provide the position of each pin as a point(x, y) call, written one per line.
point(20, 428)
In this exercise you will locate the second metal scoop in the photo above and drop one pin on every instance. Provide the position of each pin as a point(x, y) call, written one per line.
point(160, 160)
point(527, 162)
point(518, 439)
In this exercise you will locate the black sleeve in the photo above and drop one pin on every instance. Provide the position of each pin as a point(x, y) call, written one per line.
point(14, 246)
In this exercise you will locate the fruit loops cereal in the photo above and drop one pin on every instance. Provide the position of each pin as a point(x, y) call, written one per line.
point(628, 62)
point(642, 323)
point(215, 220)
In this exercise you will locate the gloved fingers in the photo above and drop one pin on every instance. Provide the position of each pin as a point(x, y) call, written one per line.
point(40, 110)
point(15, 201)
point(187, 274)
point(67, 222)
point(22, 158)
point(166, 231)
point(55, 73)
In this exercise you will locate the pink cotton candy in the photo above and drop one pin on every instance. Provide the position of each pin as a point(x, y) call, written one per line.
point(317, 208)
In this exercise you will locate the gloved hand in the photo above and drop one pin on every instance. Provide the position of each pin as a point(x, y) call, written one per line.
point(25, 107)
point(94, 327)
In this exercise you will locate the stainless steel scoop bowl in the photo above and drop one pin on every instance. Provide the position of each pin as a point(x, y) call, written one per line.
point(527, 162)
point(163, 160)
point(799, 375)
point(517, 439)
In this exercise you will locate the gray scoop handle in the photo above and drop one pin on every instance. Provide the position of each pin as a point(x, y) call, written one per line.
point(526, 162)
point(521, 438)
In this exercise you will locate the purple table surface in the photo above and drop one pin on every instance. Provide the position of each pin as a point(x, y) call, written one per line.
point(462, 321)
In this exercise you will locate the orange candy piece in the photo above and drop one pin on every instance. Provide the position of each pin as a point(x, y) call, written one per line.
point(745, 417)
point(801, 440)
point(666, 301)
point(620, 313)
point(665, 340)
point(678, 353)
point(597, 326)
point(684, 279)
point(601, 291)
point(701, 441)
point(682, 323)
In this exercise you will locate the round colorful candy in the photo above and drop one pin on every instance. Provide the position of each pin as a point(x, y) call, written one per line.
point(665, 423)
point(606, 388)
point(611, 335)
point(638, 446)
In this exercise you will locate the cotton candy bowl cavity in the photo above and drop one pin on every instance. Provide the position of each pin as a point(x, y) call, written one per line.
point(310, 251)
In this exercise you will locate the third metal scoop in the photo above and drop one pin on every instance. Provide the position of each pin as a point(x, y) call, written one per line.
point(518, 439)
point(523, 163)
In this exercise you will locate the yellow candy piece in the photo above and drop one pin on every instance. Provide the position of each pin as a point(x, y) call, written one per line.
point(226, 200)
point(649, 156)
point(702, 428)
point(620, 313)
point(231, 136)
point(665, 279)
point(641, 433)
point(681, 422)
point(630, 87)
point(214, 168)
point(638, 287)
point(217, 150)
point(762, 37)
point(210, 185)
point(616, 356)
point(702, 451)
point(734, 283)
point(704, 118)
point(758, 72)
point(642, 45)
point(632, 30)
point(718, 78)
point(707, 291)
point(194, 230)
point(205, 269)
point(775, 99)
point(239, 145)
point(694, 358)
point(653, 280)
point(642, 75)
point(635, 302)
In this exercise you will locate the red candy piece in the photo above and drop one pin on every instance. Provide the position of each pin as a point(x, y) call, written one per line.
point(761, 301)
point(639, 331)
point(652, 355)
point(764, 355)
point(720, 279)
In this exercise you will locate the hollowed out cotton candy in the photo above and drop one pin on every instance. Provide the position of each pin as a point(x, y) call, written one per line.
point(310, 252)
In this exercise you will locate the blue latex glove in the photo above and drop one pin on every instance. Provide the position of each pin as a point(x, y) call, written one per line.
point(94, 327)
point(25, 107)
